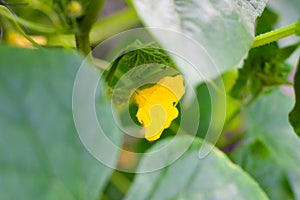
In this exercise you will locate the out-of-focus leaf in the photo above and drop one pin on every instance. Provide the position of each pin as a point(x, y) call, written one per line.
point(213, 177)
point(268, 122)
point(265, 66)
point(266, 21)
point(204, 101)
point(41, 156)
point(298, 27)
point(224, 28)
point(255, 158)
point(288, 12)
point(294, 115)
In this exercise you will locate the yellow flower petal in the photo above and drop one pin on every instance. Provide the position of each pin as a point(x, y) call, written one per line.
point(175, 84)
point(157, 124)
point(74, 9)
point(157, 105)
point(17, 39)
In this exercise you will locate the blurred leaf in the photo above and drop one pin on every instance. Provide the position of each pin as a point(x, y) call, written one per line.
point(224, 29)
point(289, 14)
point(268, 122)
point(287, 10)
point(265, 66)
point(294, 181)
point(41, 156)
point(204, 102)
point(298, 28)
point(256, 159)
point(213, 177)
point(294, 115)
point(266, 21)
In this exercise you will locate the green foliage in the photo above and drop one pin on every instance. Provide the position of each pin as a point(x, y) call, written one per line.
point(298, 28)
point(40, 153)
point(264, 67)
point(213, 177)
point(272, 140)
point(256, 159)
point(135, 55)
point(266, 21)
point(223, 29)
point(141, 63)
point(41, 156)
point(294, 115)
point(271, 124)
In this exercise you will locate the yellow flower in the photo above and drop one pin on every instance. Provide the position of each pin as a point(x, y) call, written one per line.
point(17, 39)
point(157, 105)
point(74, 9)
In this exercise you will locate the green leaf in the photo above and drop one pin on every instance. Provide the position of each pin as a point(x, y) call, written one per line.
point(270, 149)
point(224, 29)
point(255, 158)
point(268, 122)
point(213, 177)
point(133, 56)
point(265, 66)
point(298, 27)
point(266, 21)
point(294, 115)
point(41, 156)
point(137, 65)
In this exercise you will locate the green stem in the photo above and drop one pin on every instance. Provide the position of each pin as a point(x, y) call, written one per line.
point(85, 24)
point(120, 181)
point(232, 117)
point(273, 36)
point(31, 25)
point(113, 24)
point(83, 42)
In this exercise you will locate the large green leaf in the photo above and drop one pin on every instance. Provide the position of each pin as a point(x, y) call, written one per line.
point(41, 156)
point(268, 120)
point(224, 28)
point(213, 177)
point(256, 159)
point(294, 115)
point(268, 123)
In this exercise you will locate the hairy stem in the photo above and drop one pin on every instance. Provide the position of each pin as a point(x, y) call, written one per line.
point(85, 24)
point(273, 36)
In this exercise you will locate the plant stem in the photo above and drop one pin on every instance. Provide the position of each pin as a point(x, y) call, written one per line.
point(232, 117)
point(120, 181)
point(82, 42)
point(31, 25)
point(273, 36)
point(113, 24)
point(85, 24)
